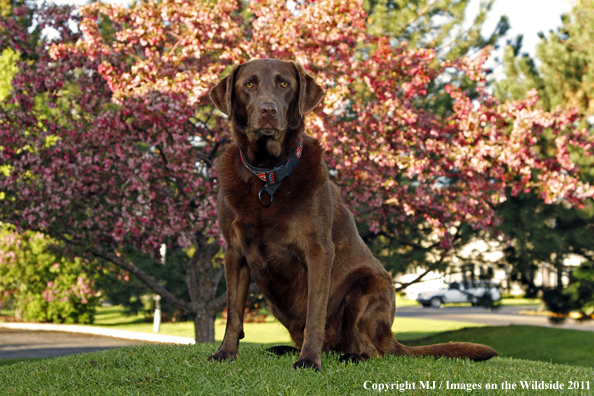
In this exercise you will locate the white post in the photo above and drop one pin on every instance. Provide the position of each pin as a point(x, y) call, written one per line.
point(163, 252)
point(157, 319)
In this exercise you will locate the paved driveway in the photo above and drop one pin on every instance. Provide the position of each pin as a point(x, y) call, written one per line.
point(19, 344)
point(502, 317)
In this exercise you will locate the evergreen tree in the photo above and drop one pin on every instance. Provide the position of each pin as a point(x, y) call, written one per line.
point(562, 76)
point(563, 79)
point(433, 24)
point(439, 25)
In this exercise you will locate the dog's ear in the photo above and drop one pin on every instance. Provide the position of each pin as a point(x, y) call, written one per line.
point(310, 93)
point(222, 93)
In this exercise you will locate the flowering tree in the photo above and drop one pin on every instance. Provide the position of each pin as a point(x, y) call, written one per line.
point(109, 140)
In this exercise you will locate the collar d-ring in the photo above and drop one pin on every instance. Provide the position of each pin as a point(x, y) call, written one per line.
point(260, 197)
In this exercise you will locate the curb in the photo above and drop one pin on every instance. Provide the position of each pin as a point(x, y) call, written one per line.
point(572, 315)
point(98, 331)
point(530, 312)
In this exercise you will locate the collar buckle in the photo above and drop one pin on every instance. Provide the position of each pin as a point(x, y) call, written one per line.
point(274, 177)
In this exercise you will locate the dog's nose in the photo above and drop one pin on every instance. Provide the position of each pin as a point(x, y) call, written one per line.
point(268, 109)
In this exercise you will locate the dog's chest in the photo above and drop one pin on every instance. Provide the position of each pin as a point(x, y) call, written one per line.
point(276, 263)
point(268, 245)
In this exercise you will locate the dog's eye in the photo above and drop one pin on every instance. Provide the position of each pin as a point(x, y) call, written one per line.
point(249, 85)
point(284, 84)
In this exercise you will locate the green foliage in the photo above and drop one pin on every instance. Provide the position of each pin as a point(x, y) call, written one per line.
point(541, 233)
point(5, 8)
point(582, 290)
point(43, 285)
point(26, 20)
point(435, 24)
point(578, 296)
point(7, 71)
point(563, 76)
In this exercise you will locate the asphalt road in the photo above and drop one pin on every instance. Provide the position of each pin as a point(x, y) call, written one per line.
point(502, 317)
point(19, 344)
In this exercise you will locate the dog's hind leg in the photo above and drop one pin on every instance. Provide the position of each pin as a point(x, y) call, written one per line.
point(372, 315)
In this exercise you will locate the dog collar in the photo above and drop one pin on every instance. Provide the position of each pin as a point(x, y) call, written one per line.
point(274, 177)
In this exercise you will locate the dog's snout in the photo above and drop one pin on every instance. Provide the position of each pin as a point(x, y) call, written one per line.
point(268, 109)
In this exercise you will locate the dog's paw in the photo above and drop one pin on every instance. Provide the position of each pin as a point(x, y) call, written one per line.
point(221, 356)
point(281, 350)
point(306, 363)
point(349, 358)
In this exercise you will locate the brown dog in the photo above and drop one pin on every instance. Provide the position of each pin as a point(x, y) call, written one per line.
point(293, 234)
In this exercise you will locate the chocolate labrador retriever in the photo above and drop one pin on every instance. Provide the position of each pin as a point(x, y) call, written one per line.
point(287, 227)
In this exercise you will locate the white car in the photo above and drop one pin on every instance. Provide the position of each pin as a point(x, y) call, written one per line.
point(457, 292)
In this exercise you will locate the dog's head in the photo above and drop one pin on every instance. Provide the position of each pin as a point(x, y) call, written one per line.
point(266, 100)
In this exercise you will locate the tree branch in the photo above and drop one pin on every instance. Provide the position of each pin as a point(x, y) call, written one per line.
point(218, 304)
point(213, 153)
point(418, 278)
point(146, 279)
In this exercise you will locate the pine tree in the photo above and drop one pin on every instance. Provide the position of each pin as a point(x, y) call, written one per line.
point(563, 78)
point(433, 24)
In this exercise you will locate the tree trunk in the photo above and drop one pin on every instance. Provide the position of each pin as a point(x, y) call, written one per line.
point(204, 326)
point(199, 278)
point(201, 281)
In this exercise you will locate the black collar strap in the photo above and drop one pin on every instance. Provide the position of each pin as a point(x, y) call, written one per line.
point(274, 177)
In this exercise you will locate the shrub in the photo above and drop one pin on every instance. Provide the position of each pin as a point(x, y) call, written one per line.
point(577, 296)
point(42, 284)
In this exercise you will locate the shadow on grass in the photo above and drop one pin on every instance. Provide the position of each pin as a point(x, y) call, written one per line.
point(6, 362)
point(564, 346)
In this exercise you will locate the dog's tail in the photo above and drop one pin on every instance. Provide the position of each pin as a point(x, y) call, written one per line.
point(476, 352)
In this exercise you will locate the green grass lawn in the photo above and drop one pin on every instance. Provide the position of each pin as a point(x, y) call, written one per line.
point(7, 312)
point(527, 342)
point(183, 370)
point(270, 331)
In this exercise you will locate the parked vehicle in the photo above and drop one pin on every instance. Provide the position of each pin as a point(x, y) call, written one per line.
point(457, 292)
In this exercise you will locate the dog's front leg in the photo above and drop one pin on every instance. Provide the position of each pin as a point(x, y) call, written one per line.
point(319, 266)
point(237, 274)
